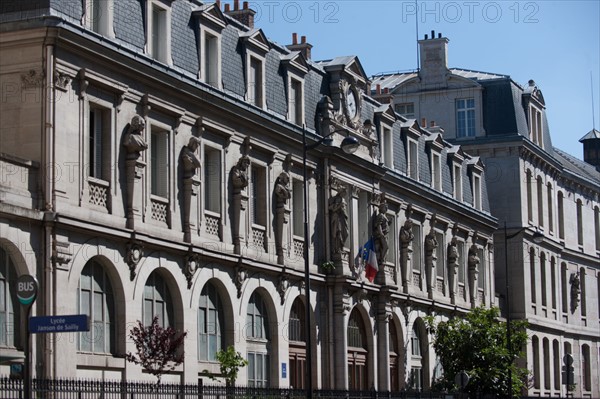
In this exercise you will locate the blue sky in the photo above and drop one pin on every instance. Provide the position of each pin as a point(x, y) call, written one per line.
point(556, 43)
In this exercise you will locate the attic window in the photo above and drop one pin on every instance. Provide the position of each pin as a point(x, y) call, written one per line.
point(535, 125)
point(407, 110)
point(465, 117)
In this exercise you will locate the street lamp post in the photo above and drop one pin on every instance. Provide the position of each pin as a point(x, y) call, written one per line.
point(537, 238)
point(349, 146)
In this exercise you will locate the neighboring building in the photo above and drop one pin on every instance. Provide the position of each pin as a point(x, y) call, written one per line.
point(532, 186)
point(152, 165)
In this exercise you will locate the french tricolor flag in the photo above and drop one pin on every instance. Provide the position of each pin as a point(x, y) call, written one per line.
point(369, 259)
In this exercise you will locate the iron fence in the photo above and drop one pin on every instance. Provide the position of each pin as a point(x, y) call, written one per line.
point(96, 389)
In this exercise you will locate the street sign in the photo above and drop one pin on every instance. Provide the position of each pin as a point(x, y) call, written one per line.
point(58, 324)
point(27, 288)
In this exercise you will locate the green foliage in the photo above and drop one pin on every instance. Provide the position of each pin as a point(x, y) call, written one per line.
point(328, 266)
point(231, 362)
point(158, 349)
point(477, 345)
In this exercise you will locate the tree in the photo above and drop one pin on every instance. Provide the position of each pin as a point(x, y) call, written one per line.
point(158, 349)
point(231, 362)
point(477, 345)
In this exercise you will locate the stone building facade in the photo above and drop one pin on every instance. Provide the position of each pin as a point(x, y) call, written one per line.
point(533, 187)
point(152, 164)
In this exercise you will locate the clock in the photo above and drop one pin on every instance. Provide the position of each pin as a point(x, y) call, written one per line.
point(352, 103)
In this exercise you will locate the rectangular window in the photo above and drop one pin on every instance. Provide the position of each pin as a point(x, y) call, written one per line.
point(482, 269)
point(579, 222)
point(560, 216)
point(407, 110)
point(392, 238)
point(258, 370)
point(99, 15)
point(465, 117)
point(417, 251)
point(211, 59)
point(412, 159)
point(212, 180)
point(436, 171)
point(597, 230)
point(550, 207)
point(255, 82)
point(158, 33)
point(363, 217)
point(388, 148)
point(535, 125)
point(477, 192)
point(99, 142)
point(439, 253)
point(296, 103)
point(540, 201)
point(258, 195)
point(461, 262)
point(298, 208)
point(159, 162)
point(457, 175)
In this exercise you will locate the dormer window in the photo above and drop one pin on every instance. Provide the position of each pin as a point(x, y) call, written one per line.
point(255, 82)
point(412, 159)
point(158, 31)
point(387, 152)
point(465, 117)
point(475, 171)
point(457, 181)
point(99, 16)
point(477, 191)
point(256, 46)
point(296, 101)
point(436, 171)
point(535, 125)
point(211, 65)
point(211, 22)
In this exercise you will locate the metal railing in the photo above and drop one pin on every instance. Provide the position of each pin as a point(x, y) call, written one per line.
point(97, 389)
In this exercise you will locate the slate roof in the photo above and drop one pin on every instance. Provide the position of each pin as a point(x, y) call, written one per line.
point(577, 167)
point(592, 134)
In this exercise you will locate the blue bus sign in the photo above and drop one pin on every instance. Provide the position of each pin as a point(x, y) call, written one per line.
point(58, 324)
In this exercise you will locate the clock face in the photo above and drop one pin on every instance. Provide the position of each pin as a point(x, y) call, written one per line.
point(352, 103)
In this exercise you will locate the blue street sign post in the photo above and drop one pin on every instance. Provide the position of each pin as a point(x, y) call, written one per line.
point(27, 290)
point(58, 324)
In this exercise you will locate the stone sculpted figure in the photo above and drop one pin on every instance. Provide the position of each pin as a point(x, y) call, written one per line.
point(430, 247)
point(473, 259)
point(239, 173)
point(188, 157)
point(282, 189)
point(452, 252)
point(133, 140)
point(339, 220)
point(406, 234)
point(381, 228)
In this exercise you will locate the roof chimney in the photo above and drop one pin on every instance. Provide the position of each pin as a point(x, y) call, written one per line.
point(303, 46)
point(244, 15)
point(423, 122)
point(434, 60)
point(591, 148)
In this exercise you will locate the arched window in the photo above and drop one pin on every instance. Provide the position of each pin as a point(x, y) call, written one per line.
point(258, 337)
point(532, 281)
point(535, 342)
point(550, 207)
point(546, 348)
point(96, 299)
point(579, 222)
point(586, 371)
point(357, 352)
point(395, 359)
point(563, 283)
point(210, 323)
point(529, 199)
point(583, 293)
point(540, 201)
point(553, 281)
point(561, 216)
point(296, 328)
point(543, 278)
point(597, 227)
point(9, 305)
point(157, 301)
point(557, 364)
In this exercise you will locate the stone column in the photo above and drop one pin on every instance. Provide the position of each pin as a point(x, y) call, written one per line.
point(383, 347)
point(341, 310)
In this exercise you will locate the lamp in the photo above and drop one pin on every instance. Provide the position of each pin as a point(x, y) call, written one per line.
point(537, 238)
point(349, 145)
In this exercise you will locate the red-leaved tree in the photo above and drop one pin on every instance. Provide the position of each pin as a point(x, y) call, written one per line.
point(158, 349)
